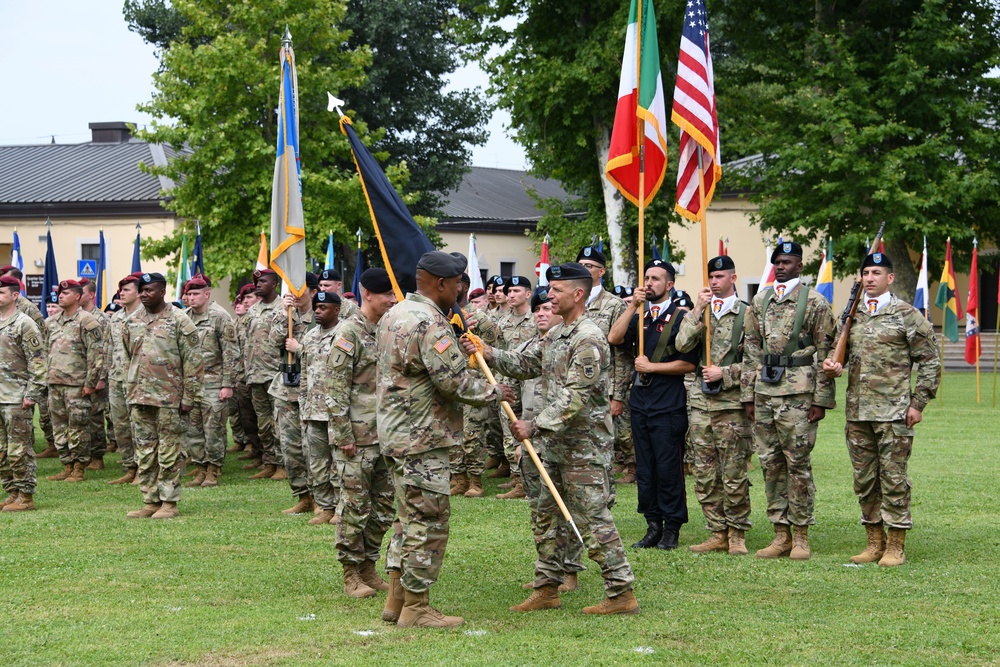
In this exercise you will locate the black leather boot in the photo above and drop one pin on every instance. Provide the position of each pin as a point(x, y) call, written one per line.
point(654, 530)
point(669, 539)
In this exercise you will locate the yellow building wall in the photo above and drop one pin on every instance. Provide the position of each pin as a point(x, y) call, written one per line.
point(496, 248)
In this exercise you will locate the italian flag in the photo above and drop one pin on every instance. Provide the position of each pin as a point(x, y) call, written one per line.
point(640, 95)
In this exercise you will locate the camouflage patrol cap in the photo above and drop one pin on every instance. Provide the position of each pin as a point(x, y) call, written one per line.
point(877, 259)
point(443, 264)
point(721, 263)
point(540, 296)
point(326, 297)
point(790, 248)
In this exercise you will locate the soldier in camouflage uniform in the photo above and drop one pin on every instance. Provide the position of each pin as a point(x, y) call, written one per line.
point(330, 281)
point(785, 395)
point(22, 377)
point(263, 361)
point(242, 399)
point(121, 415)
point(164, 382)
point(887, 338)
point(75, 348)
point(287, 418)
point(717, 425)
point(421, 377)
point(367, 493)
point(573, 360)
point(99, 401)
point(220, 356)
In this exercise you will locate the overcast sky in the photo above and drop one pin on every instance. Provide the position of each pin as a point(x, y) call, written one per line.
point(67, 63)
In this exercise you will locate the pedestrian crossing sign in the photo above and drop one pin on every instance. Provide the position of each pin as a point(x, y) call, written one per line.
point(87, 268)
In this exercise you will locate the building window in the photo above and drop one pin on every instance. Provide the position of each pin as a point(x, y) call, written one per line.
point(507, 269)
point(90, 251)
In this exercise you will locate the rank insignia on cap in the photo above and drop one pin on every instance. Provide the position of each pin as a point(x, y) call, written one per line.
point(718, 263)
point(786, 247)
point(543, 295)
point(345, 345)
point(146, 277)
point(514, 280)
point(586, 251)
point(556, 271)
point(442, 345)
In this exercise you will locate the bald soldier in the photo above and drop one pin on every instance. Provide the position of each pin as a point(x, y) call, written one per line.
point(422, 376)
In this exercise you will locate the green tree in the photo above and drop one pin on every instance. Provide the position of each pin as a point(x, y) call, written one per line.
point(861, 112)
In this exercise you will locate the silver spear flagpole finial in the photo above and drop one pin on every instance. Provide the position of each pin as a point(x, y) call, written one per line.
point(334, 103)
point(286, 39)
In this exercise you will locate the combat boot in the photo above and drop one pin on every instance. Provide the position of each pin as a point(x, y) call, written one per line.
point(254, 464)
point(781, 545)
point(476, 489)
point(237, 447)
point(96, 463)
point(305, 504)
point(629, 476)
point(66, 472)
point(112, 447)
point(50, 452)
point(126, 478)
point(354, 585)
point(192, 470)
point(248, 455)
point(370, 576)
point(211, 476)
point(544, 597)
point(894, 548)
point(267, 472)
point(459, 483)
point(654, 531)
point(199, 476)
point(800, 543)
point(418, 613)
point(78, 474)
point(280, 474)
point(737, 542)
point(493, 462)
point(516, 492)
point(509, 484)
point(570, 583)
point(717, 541)
point(620, 604)
point(147, 511)
point(166, 511)
point(876, 545)
point(669, 539)
point(9, 499)
point(502, 471)
point(24, 503)
point(324, 516)
point(394, 601)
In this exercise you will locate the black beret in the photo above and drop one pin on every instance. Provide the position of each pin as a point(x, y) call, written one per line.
point(721, 263)
point(150, 278)
point(312, 280)
point(53, 297)
point(593, 254)
point(330, 274)
point(539, 296)
point(112, 308)
point(326, 297)
point(622, 292)
point(466, 279)
point(516, 281)
point(443, 264)
point(376, 280)
point(568, 271)
point(179, 305)
point(682, 299)
point(877, 259)
point(787, 248)
point(660, 264)
point(496, 281)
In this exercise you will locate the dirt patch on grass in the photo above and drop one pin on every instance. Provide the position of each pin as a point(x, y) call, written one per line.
point(269, 656)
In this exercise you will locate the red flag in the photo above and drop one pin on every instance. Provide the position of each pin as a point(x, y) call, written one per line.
point(722, 247)
point(543, 263)
point(972, 343)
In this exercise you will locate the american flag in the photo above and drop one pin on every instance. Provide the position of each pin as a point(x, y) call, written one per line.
point(694, 112)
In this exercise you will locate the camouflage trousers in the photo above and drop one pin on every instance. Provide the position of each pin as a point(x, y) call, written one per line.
point(494, 434)
point(121, 415)
point(158, 433)
point(509, 444)
point(784, 440)
point(720, 441)
point(323, 479)
point(70, 413)
point(244, 414)
point(421, 484)
point(233, 419)
point(98, 427)
point(206, 427)
point(288, 420)
point(263, 408)
point(880, 452)
point(470, 456)
point(44, 420)
point(17, 448)
point(584, 490)
point(366, 507)
point(531, 480)
point(624, 447)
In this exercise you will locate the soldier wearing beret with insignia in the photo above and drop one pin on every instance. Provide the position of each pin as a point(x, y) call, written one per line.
point(22, 379)
point(75, 348)
point(718, 429)
point(330, 281)
point(99, 425)
point(422, 376)
point(263, 361)
point(121, 416)
point(164, 382)
point(887, 338)
point(788, 331)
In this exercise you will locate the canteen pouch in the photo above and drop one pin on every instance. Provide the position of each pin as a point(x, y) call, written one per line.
point(291, 374)
point(711, 388)
point(771, 374)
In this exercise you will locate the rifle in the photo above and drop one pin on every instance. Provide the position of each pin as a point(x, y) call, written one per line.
point(840, 350)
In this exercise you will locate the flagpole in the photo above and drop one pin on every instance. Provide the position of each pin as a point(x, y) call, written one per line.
point(703, 214)
point(641, 143)
point(996, 354)
point(944, 321)
point(975, 283)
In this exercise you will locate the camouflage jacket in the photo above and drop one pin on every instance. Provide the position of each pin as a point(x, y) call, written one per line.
point(164, 353)
point(532, 395)
point(220, 351)
point(421, 376)
point(347, 308)
point(316, 346)
point(481, 324)
point(31, 310)
point(241, 323)
point(105, 321)
point(881, 351)
point(690, 334)
point(74, 348)
point(350, 384)
point(301, 323)
point(22, 360)
point(119, 363)
point(605, 311)
point(261, 358)
point(774, 328)
point(573, 362)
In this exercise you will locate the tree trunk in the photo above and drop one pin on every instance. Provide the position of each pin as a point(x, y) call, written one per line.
point(905, 285)
point(614, 207)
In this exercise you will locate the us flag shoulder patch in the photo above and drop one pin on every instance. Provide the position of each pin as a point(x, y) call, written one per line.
point(442, 345)
point(345, 345)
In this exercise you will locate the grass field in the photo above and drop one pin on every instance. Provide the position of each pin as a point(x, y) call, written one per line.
point(234, 582)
